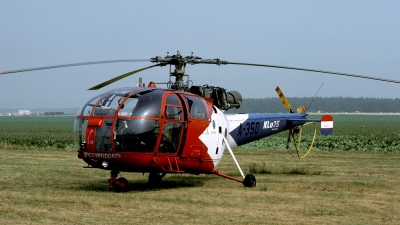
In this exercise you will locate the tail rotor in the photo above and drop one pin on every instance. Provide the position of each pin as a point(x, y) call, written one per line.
point(296, 132)
point(285, 102)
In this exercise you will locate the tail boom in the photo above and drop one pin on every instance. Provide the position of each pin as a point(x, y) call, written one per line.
point(245, 128)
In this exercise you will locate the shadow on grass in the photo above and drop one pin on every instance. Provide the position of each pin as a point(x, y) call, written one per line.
point(169, 182)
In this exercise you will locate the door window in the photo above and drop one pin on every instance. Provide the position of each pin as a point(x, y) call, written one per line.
point(172, 125)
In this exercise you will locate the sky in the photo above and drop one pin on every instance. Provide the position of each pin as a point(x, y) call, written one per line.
point(357, 37)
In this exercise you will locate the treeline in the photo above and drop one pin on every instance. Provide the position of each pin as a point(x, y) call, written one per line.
point(321, 104)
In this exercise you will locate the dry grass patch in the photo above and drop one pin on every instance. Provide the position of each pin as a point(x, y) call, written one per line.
point(51, 187)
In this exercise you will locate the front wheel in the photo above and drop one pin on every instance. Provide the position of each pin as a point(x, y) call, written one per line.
point(121, 185)
point(249, 180)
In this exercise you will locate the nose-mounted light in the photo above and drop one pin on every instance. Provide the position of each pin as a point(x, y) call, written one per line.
point(104, 164)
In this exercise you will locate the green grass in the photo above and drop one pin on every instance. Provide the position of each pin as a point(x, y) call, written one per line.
point(263, 168)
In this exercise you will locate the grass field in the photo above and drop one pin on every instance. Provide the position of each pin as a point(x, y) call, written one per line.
point(352, 177)
point(52, 187)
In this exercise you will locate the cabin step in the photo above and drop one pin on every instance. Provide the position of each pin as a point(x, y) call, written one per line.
point(173, 166)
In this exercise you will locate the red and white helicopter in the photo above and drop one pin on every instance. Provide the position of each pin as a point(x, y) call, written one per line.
point(178, 129)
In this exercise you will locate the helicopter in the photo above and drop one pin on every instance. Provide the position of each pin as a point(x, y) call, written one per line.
point(181, 128)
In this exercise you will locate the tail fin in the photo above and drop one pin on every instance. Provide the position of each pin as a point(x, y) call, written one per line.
point(326, 124)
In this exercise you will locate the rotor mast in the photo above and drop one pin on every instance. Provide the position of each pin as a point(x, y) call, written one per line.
point(179, 63)
point(178, 72)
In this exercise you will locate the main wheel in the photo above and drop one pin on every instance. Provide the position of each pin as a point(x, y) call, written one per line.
point(121, 185)
point(249, 180)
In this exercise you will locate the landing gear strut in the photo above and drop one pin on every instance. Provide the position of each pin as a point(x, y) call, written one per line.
point(155, 178)
point(121, 184)
point(249, 180)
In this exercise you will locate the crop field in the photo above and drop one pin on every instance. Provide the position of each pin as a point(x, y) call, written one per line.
point(351, 132)
point(44, 132)
point(356, 132)
point(352, 177)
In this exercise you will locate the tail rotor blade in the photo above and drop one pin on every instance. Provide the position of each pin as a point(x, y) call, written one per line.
point(283, 99)
point(301, 109)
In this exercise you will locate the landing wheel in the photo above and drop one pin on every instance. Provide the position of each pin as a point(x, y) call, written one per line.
point(155, 178)
point(121, 185)
point(249, 180)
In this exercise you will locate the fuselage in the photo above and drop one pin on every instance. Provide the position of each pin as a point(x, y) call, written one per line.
point(158, 130)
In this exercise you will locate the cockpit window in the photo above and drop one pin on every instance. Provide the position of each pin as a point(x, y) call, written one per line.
point(172, 100)
point(128, 106)
point(173, 109)
point(174, 113)
point(197, 108)
point(109, 103)
point(148, 103)
point(136, 135)
point(143, 104)
point(87, 108)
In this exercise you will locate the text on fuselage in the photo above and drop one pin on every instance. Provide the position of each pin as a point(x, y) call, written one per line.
point(271, 124)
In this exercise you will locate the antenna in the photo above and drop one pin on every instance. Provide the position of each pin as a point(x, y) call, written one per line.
point(315, 96)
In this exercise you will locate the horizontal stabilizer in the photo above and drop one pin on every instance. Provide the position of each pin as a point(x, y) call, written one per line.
point(326, 123)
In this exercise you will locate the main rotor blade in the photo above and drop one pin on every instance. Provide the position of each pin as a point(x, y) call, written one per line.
point(122, 76)
point(311, 70)
point(74, 64)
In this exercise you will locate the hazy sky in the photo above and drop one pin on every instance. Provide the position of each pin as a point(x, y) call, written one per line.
point(359, 37)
